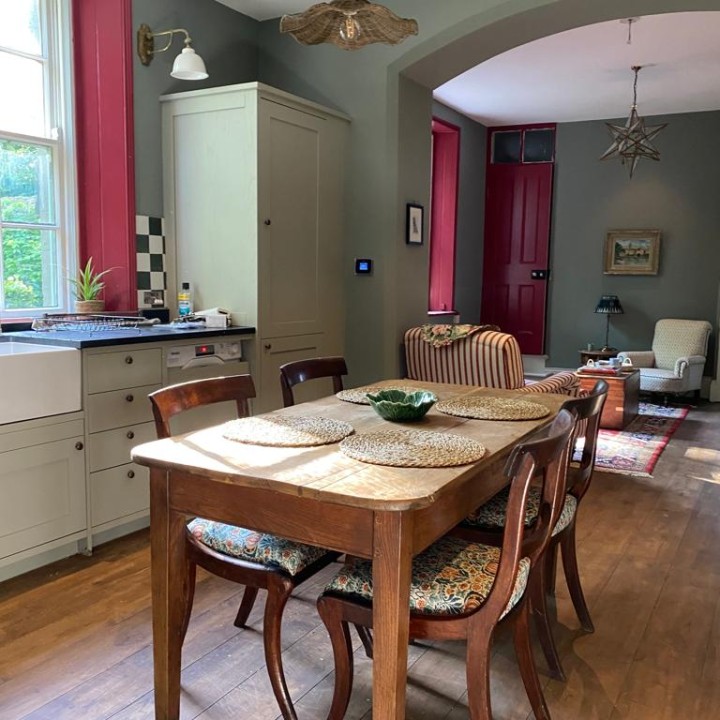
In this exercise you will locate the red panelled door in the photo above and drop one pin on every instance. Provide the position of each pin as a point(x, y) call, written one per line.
point(516, 255)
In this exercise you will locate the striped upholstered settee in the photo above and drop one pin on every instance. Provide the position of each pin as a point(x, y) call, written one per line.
point(488, 359)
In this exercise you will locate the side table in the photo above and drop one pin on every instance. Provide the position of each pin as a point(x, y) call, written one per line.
point(586, 355)
point(621, 404)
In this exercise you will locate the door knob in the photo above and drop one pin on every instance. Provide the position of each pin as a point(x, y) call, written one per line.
point(268, 346)
point(267, 221)
point(539, 274)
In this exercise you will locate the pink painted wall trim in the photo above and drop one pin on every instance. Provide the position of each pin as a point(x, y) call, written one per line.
point(446, 161)
point(102, 40)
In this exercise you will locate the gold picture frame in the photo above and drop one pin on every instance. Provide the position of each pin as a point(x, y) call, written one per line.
point(632, 252)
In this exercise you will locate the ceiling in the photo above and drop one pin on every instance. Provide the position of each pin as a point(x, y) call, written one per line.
point(581, 74)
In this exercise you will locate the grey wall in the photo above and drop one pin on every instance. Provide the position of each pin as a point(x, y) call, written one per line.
point(227, 42)
point(387, 92)
point(470, 212)
point(678, 195)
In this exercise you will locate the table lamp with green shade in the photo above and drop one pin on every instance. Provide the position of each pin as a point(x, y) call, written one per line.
point(609, 305)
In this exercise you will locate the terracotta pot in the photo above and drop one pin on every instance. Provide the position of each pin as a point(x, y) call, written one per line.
point(89, 306)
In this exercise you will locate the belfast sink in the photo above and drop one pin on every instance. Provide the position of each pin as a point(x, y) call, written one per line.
point(37, 381)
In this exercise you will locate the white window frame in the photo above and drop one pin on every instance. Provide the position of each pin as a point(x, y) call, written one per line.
point(56, 20)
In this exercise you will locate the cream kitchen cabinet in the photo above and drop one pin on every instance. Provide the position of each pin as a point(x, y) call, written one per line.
point(116, 382)
point(254, 199)
point(42, 484)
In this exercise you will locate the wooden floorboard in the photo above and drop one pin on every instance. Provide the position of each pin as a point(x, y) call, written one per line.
point(76, 644)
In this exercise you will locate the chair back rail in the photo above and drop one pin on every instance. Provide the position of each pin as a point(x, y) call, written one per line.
point(301, 371)
point(168, 402)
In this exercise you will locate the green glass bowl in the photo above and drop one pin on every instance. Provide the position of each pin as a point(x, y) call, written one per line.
point(399, 406)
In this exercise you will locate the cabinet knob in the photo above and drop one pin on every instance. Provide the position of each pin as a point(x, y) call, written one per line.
point(79, 445)
point(131, 474)
point(268, 346)
point(130, 435)
point(267, 221)
point(129, 360)
point(130, 397)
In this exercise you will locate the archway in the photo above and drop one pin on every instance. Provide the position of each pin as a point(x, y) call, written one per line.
point(413, 76)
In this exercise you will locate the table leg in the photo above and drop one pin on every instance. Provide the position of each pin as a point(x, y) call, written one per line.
point(167, 550)
point(392, 562)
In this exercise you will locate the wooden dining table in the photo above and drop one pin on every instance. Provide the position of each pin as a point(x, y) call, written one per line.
point(318, 495)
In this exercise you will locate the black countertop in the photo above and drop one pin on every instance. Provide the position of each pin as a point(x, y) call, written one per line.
point(121, 336)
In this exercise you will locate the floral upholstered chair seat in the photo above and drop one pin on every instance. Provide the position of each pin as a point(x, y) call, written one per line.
point(255, 547)
point(451, 577)
point(491, 515)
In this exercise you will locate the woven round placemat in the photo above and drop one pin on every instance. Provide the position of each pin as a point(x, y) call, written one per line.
point(412, 448)
point(359, 395)
point(277, 431)
point(493, 408)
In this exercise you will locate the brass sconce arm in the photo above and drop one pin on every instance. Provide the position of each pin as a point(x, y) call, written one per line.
point(146, 42)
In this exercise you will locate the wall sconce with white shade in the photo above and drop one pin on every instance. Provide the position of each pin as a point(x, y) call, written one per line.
point(188, 64)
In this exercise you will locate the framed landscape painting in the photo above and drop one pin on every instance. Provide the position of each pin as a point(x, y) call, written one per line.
point(632, 252)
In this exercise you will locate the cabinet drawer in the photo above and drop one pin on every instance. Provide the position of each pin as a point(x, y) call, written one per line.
point(118, 492)
point(112, 447)
point(124, 369)
point(119, 408)
point(43, 494)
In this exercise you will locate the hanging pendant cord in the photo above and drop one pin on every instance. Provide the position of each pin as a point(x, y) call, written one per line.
point(636, 69)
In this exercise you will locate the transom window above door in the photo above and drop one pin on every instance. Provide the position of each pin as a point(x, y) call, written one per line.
point(523, 145)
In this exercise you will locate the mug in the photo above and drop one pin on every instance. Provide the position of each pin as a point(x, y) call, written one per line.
point(614, 362)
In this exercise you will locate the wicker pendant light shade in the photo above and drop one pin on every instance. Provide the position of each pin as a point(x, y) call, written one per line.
point(349, 24)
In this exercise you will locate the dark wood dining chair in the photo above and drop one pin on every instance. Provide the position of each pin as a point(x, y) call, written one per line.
point(462, 589)
point(487, 524)
point(254, 559)
point(300, 371)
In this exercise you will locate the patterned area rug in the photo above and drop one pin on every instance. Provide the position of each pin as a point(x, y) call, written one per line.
point(636, 450)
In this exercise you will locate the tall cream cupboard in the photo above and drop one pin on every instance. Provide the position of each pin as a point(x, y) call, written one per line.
point(254, 200)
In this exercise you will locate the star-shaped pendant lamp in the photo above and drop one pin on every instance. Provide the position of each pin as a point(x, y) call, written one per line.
point(633, 140)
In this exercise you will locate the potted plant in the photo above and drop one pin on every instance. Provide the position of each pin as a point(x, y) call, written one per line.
point(87, 288)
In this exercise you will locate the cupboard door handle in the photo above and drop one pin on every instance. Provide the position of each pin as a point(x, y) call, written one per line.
point(268, 346)
point(130, 397)
point(129, 360)
point(131, 474)
point(130, 435)
point(268, 221)
point(79, 445)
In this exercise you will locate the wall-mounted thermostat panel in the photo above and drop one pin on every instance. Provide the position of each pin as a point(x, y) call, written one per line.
point(363, 266)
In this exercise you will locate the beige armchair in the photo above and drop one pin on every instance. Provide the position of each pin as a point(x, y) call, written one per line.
point(675, 363)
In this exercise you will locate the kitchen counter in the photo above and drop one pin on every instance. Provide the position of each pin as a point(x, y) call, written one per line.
point(121, 336)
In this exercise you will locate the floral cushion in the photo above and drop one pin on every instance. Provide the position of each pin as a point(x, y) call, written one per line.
point(255, 547)
point(491, 515)
point(441, 335)
point(451, 577)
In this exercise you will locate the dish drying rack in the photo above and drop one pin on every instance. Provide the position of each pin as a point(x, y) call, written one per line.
point(88, 323)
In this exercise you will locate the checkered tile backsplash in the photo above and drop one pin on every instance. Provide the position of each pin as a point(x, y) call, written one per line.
point(150, 248)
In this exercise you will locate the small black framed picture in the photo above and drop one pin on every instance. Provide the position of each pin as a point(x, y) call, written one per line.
point(414, 224)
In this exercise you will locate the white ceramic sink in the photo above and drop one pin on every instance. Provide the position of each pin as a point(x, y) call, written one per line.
point(37, 381)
